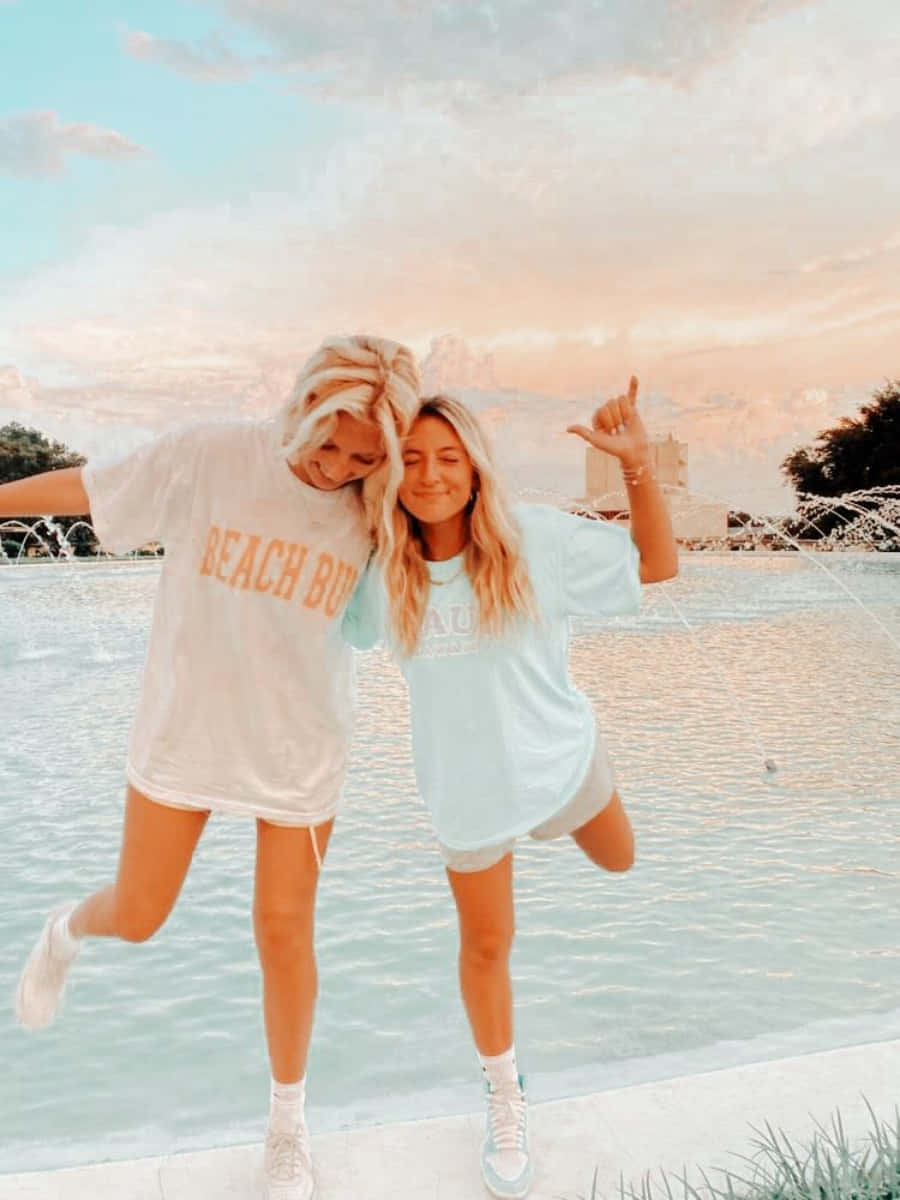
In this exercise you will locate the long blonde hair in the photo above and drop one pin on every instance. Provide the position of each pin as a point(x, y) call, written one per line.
point(370, 378)
point(492, 557)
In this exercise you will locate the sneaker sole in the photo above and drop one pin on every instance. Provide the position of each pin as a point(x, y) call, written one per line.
point(264, 1189)
point(510, 1195)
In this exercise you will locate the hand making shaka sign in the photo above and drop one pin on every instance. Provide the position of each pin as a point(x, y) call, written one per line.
point(618, 429)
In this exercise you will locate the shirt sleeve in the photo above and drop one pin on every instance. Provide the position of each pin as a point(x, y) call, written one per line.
point(145, 495)
point(364, 622)
point(599, 568)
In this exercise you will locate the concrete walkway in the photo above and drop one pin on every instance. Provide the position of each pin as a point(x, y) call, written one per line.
point(699, 1120)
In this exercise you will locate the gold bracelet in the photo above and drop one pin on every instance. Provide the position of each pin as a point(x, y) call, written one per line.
point(635, 475)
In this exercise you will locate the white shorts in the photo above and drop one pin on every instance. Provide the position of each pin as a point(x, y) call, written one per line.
point(591, 798)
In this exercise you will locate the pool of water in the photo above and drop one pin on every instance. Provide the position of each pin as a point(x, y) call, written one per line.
point(760, 918)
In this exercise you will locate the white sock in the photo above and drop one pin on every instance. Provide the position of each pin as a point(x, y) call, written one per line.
point(66, 941)
point(500, 1068)
point(287, 1103)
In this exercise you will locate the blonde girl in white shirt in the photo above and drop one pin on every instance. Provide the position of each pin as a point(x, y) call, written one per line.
point(246, 700)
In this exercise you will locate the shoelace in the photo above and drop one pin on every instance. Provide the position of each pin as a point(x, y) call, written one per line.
point(506, 1116)
point(287, 1153)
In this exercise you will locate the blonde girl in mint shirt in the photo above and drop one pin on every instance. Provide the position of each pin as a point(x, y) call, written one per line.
point(247, 693)
point(474, 600)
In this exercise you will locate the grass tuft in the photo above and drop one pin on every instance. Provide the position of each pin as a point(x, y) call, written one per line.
point(828, 1168)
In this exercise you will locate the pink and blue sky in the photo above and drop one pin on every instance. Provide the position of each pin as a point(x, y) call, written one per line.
point(539, 198)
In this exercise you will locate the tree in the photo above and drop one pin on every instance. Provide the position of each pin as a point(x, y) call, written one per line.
point(25, 452)
point(737, 520)
point(858, 453)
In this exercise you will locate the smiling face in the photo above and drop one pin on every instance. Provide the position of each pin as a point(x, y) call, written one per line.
point(438, 476)
point(353, 451)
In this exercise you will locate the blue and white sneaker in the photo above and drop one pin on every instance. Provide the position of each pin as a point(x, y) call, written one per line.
point(505, 1165)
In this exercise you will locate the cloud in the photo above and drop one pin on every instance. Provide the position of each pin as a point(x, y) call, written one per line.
point(452, 363)
point(623, 223)
point(848, 259)
point(471, 51)
point(210, 62)
point(16, 391)
point(149, 400)
point(37, 143)
point(562, 293)
point(667, 81)
point(78, 418)
point(579, 244)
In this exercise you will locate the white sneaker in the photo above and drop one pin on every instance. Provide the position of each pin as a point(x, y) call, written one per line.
point(288, 1164)
point(505, 1164)
point(43, 978)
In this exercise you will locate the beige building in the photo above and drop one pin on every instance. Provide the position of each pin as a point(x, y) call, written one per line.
point(603, 475)
point(692, 518)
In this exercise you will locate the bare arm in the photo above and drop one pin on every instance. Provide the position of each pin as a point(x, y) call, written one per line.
point(52, 493)
point(618, 429)
point(651, 526)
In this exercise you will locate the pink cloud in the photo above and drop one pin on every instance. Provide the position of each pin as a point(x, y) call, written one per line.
point(211, 62)
point(37, 143)
point(460, 53)
point(452, 363)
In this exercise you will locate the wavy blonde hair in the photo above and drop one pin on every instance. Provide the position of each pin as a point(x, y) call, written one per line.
point(492, 557)
point(370, 378)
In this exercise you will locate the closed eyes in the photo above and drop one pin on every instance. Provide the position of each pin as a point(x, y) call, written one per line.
point(450, 459)
point(366, 460)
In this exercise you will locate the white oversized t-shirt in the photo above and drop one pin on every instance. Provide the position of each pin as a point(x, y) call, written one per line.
point(502, 738)
point(246, 704)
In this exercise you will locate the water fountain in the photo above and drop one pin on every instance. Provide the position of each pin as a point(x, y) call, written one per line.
point(873, 523)
point(59, 548)
point(868, 519)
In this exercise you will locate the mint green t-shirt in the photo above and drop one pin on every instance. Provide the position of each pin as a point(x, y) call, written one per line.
point(502, 738)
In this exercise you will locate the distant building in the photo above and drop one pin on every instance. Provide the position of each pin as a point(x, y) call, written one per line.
point(603, 475)
point(692, 518)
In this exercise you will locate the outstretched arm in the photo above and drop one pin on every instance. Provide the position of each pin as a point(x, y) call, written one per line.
point(618, 430)
point(52, 493)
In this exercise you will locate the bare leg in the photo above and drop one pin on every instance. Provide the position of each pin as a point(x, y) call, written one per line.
point(283, 920)
point(157, 847)
point(484, 904)
point(607, 839)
